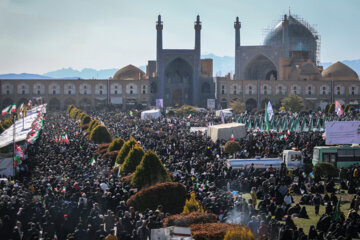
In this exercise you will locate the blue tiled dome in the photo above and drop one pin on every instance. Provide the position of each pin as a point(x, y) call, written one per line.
point(300, 37)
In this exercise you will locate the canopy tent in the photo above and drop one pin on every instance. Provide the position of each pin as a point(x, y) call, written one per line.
point(227, 113)
point(6, 138)
point(155, 113)
point(224, 131)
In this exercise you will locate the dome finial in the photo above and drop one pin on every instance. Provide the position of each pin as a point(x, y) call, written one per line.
point(289, 11)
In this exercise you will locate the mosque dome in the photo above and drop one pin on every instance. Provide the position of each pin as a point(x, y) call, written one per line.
point(339, 71)
point(130, 72)
point(301, 37)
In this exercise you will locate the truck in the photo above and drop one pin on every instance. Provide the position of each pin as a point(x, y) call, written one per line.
point(291, 158)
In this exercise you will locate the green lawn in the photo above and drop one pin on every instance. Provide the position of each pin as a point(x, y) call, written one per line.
point(313, 219)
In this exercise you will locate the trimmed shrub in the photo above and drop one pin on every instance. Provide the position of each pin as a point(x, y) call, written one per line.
point(215, 231)
point(82, 115)
point(351, 109)
point(125, 149)
point(93, 124)
point(185, 110)
point(132, 160)
point(116, 144)
point(236, 234)
point(326, 109)
point(325, 169)
point(69, 108)
point(170, 195)
point(192, 205)
point(7, 123)
point(346, 109)
point(186, 219)
point(74, 113)
point(100, 134)
point(332, 108)
point(232, 147)
point(150, 171)
point(85, 120)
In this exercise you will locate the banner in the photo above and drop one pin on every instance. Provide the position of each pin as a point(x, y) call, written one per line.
point(159, 103)
point(342, 132)
point(211, 103)
point(6, 167)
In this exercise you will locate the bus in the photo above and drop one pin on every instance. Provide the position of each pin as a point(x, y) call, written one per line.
point(339, 156)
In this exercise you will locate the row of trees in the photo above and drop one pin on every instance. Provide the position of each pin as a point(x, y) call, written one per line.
point(98, 133)
point(292, 103)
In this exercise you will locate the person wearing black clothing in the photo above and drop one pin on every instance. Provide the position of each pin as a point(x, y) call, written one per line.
point(143, 232)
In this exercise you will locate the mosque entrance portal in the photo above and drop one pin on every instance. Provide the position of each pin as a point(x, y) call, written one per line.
point(177, 98)
point(178, 82)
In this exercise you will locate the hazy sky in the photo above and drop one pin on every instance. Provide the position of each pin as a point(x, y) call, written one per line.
point(38, 36)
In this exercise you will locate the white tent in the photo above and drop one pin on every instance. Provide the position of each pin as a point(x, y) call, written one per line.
point(21, 133)
point(224, 131)
point(227, 113)
point(155, 113)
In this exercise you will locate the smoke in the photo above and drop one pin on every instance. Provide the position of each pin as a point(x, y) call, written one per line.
point(236, 216)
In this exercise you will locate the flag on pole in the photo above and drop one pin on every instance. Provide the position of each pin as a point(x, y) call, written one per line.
point(21, 108)
point(267, 117)
point(29, 104)
point(9, 109)
point(92, 161)
point(270, 111)
point(232, 136)
point(311, 124)
point(190, 115)
point(338, 109)
point(5, 110)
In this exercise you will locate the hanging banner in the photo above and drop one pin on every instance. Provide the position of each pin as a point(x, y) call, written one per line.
point(159, 103)
point(342, 132)
point(211, 103)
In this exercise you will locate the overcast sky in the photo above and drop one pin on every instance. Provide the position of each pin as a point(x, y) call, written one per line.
point(38, 36)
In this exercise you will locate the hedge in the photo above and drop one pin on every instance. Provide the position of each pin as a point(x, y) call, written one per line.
point(93, 124)
point(170, 195)
point(69, 108)
point(86, 120)
point(2, 129)
point(325, 169)
point(192, 205)
point(150, 171)
point(243, 234)
point(215, 231)
point(7, 123)
point(132, 160)
point(186, 219)
point(232, 147)
point(100, 134)
point(116, 144)
point(125, 149)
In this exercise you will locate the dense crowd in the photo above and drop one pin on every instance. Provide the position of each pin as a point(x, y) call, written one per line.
point(58, 194)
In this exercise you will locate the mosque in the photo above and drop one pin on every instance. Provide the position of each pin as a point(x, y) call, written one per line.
point(286, 63)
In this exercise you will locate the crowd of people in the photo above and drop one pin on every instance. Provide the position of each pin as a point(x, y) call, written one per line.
point(59, 195)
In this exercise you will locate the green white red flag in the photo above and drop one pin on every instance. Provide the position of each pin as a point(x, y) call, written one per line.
point(9, 109)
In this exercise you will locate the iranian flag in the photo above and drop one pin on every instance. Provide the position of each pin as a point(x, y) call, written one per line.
point(21, 108)
point(29, 104)
point(232, 136)
point(190, 116)
point(9, 109)
point(92, 161)
point(65, 139)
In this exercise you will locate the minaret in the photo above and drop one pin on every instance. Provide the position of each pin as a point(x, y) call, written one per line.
point(285, 33)
point(159, 70)
point(195, 85)
point(237, 26)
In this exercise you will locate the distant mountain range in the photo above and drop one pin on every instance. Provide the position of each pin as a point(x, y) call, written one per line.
point(221, 67)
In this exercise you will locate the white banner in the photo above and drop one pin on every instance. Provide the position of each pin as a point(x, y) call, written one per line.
point(342, 132)
point(211, 103)
point(6, 167)
point(159, 103)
